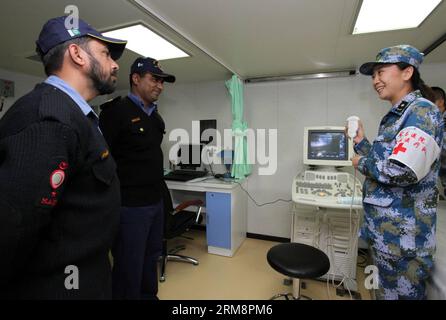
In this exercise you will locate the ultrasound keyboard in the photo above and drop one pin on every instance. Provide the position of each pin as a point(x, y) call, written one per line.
point(327, 189)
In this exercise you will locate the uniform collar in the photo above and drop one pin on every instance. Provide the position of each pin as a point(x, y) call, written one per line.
point(57, 82)
point(402, 105)
point(137, 100)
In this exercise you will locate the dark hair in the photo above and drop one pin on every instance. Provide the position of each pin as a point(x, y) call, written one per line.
point(418, 83)
point(53, 59)
point(439, 93)
point(130, 79)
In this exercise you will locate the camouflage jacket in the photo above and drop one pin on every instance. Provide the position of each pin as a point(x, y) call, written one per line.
point(400, 210)
point(443, 161)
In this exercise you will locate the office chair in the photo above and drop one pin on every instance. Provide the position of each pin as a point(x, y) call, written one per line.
point(176, 222)
point(298, 261)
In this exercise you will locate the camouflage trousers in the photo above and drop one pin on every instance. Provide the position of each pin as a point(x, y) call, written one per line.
point(401, 277)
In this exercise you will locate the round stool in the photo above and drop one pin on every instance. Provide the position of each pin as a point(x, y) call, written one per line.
point(298, 261)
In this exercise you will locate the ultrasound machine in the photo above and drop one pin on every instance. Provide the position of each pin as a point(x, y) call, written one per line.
point(327, 202)
point(325, 150)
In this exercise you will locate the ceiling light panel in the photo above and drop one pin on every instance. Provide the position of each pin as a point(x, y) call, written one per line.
point(385, 15)
point(147, 43)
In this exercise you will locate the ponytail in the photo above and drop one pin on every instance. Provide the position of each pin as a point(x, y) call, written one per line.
point(418, 83)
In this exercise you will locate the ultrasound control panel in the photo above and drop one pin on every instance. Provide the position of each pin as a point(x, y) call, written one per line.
point(327, 189)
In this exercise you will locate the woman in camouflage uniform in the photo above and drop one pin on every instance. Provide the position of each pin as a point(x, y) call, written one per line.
point(401, 168)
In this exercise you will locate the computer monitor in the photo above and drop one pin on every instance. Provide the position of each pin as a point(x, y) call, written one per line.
point(327, 146)
point(208, 127)
point(189, 156)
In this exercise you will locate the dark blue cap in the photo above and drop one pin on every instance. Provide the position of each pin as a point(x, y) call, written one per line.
point(152, 66)
point(55, 32)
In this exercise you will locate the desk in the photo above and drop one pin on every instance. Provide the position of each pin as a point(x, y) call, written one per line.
point(225, 207)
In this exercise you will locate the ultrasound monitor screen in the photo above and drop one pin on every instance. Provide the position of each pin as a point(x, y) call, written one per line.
point(327, 145)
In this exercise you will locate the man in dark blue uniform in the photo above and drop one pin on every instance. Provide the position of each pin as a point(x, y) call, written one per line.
point(134, 131)
point(59, 192)
point(440, 98)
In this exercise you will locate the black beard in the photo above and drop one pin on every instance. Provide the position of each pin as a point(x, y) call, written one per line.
point(103, 86)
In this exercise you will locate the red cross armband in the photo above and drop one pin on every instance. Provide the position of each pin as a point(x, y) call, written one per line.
point(415, 149)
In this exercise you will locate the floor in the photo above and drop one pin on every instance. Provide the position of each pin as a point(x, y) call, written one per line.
point(246, 276)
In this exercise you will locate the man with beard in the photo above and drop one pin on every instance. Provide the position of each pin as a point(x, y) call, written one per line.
point(134, 131)
point(59, 193)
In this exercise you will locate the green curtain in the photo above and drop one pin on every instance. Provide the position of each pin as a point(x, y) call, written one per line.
point(240, 167)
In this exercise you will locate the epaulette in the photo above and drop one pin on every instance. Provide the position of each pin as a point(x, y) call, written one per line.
point(110, 102)
point(402, 107)
point(49, 105)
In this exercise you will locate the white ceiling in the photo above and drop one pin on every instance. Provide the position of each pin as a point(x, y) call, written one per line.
point(253, 38)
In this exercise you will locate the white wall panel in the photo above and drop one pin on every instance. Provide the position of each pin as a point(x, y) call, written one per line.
point(287, 106)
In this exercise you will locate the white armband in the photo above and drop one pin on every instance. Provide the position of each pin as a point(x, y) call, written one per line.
point(416, 149)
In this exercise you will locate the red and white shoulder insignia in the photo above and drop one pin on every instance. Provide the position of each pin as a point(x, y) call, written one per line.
point(57, 178)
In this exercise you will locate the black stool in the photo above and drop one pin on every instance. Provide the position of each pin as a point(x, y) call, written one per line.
point(298, 261)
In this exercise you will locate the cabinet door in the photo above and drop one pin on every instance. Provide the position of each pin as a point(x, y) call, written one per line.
point(218, 219)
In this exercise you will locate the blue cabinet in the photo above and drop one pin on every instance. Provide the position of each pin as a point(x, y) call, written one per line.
point(226, 205)
point(218, 219)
